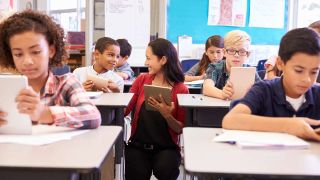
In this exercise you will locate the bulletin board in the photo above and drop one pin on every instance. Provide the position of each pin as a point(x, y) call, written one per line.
point(190, 17)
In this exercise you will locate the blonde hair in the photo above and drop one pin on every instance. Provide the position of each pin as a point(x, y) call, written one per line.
point(237, 38)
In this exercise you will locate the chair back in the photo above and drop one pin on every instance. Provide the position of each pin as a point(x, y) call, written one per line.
point(188, 63)
point(61, 70)
point(260, 65)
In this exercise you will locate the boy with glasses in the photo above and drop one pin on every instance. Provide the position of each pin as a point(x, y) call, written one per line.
point(236, 51)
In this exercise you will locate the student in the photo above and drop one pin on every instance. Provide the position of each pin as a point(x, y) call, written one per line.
point(123, 68)
point(106, 54)
point(153, 145)
point(236, 52)
point(271, 70)
point(32, 42)
point(214, 53)
point(288, 104)
point(316, 26)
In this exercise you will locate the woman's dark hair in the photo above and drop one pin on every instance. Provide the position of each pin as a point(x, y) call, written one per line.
point(31, 21)
point(216, 41)
point(300, 40)
point(172, 70)
point(103, 43)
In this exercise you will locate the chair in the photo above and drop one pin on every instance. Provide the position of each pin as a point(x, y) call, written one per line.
point(260, 65)
point(188, 63)
point(61, 70)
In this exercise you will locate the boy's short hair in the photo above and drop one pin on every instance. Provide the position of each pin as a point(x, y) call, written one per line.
point(125, 47)
point(300, 40)
point(315, 26)
point(103, 43)
point(237, 37)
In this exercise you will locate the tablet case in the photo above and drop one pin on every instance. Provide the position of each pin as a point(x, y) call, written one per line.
point(155, 91)
point(17, 123)
point(242, 79)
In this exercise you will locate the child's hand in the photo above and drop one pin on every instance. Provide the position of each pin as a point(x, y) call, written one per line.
point(112, 86)
point(301, 127)
point(88, 85)
point(2, 118)
point(28, 102)
point(227, 91)
point(161, 106)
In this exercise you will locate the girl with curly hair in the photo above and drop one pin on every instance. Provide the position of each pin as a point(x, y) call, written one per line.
point(32, 43)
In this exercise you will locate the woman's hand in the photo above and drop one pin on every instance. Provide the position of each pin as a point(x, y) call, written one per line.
point(28, 102)
point(164, 109)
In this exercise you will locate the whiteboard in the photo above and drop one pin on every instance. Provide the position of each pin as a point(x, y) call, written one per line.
point(129, 19)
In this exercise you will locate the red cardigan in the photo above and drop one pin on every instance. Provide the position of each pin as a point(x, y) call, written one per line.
point(138, 99)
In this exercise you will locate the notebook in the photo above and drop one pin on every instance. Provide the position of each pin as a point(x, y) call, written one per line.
point(261, 140)
point(17, 123)
point(242, 79)
point(155, 91)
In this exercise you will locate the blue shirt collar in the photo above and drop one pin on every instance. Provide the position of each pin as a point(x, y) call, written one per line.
point(278, 90)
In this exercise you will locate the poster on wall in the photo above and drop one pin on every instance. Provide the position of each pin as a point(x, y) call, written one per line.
point(308, 12)
point(227, 12)
point(267, 14)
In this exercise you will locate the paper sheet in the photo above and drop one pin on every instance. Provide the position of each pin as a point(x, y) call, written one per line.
point(185, 46)
point(265, 140)
point(42, 135)
point(267, 14)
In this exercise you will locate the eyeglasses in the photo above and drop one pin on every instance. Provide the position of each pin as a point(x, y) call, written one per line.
point(240, 52)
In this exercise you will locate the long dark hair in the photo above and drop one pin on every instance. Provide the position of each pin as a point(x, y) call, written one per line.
point(172, 70)
point(216, 41)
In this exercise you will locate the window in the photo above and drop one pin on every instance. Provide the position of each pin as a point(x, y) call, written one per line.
point(67, 13)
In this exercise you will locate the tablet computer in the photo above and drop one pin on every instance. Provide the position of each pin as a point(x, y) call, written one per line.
point(99, 82)
point(155, 91)
point(17, 123)
point(242, 79)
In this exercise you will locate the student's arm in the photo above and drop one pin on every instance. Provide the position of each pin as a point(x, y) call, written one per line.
point(2, 118)
point(123, 75)
point(209, 89)
point(190, 75)
point(240, 118)
point(72, 107)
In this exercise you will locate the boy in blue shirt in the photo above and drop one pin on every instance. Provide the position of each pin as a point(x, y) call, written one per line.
point(289, 104)
point(123, 68)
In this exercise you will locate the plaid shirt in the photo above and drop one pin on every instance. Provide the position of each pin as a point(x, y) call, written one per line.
point(68, 103)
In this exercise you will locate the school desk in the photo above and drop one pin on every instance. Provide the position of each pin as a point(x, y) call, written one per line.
point(192, 89)
point(202, 110)
point(210, 160)
point(82, 157)
point(117, 102)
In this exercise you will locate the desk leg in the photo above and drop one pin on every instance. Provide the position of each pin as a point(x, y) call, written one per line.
point(189, 117)
point(119, 145)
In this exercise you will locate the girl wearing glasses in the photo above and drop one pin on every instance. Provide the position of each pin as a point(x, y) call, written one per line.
point(213, 54)
point(236, 52)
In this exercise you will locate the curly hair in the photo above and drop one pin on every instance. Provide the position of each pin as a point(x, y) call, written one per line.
point(31, 21)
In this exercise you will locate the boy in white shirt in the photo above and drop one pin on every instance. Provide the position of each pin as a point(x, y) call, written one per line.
point(106, 54)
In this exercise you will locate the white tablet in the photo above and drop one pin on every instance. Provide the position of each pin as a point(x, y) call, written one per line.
point(99, 82)
point(242, 79)
point(17, 123)
point(155, 91)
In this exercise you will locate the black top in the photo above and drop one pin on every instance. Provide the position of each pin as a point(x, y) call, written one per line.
point(152, 128)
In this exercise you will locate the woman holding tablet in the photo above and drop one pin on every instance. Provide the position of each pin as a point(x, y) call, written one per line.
point(153, 145)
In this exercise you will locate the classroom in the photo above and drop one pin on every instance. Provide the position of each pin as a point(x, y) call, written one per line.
point(159, 89)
